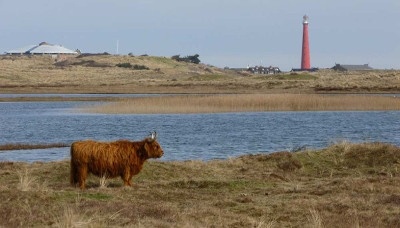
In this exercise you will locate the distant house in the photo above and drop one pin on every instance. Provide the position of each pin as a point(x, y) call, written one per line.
point(313, 69)
point(264, 70)
point(340, 67)
point(257, 69)
point(42, 49)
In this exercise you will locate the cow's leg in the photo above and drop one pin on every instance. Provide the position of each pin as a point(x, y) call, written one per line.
point(126, 177)
point(130, 180)
point(83, 172)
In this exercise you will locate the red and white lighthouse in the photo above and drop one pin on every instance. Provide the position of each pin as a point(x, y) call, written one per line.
point(305, 50)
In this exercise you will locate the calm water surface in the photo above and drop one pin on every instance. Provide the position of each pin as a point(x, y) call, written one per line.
point(189, 136)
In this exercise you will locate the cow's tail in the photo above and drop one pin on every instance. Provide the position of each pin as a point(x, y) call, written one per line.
point(73, 175)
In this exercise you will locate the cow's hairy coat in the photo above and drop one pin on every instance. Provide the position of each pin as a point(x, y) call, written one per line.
point(111, 159)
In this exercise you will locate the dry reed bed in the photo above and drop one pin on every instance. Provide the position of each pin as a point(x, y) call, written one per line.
point(247, 103)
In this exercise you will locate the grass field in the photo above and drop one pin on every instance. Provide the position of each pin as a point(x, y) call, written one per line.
point(344, 185)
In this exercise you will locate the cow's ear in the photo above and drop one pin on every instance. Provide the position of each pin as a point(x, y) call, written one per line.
point(143, 152)
point(147, 147)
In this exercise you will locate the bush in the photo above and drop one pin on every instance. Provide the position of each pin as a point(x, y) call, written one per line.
point(124, 65)
point(140, 67)
point(189, 59)
point(134, 67)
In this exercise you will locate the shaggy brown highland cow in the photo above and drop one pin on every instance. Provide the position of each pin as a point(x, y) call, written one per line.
point(111, 159)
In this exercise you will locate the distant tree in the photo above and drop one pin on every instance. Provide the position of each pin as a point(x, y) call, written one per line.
point(194, 58)
point(176, 57)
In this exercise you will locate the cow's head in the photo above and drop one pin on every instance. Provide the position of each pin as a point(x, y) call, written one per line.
point(152, 147)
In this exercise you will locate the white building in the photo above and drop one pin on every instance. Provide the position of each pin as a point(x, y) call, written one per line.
point(42, 49)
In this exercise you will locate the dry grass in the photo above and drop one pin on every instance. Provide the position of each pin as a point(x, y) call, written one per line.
point(26, 181)
point(315, 219)
point(70, 218)
point(248, 103)
point(344, 185)
point(97, 74)
point(103, 181)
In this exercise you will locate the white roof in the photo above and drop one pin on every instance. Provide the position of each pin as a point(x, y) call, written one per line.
point(43, 48)
point(21, 50)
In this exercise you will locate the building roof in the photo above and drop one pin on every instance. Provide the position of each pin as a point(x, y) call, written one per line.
point(21, 50)
point(42, 48)
point(352, 67)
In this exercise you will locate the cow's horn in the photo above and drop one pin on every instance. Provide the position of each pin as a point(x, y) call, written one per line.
point(153, 135)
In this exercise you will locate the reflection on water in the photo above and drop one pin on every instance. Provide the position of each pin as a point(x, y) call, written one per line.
point(188, 136)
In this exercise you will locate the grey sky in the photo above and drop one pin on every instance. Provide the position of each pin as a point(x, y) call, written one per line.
point(223, 32)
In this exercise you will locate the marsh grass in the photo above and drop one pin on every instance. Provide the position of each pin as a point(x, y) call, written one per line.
point(248, 103)
point(246, 191)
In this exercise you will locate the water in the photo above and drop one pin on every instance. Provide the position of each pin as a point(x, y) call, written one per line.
point(68, 95)
point(189, 136)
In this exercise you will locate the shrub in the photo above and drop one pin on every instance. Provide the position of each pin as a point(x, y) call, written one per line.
point(189, 59)
point(134, 67)
point(124, 65)
point(140, 67)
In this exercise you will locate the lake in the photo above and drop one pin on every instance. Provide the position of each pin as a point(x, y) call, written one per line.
point(188, 136)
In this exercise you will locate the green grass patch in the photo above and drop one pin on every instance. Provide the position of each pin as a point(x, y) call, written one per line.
point(97, 196)
point(290, 76)
point(71, 196)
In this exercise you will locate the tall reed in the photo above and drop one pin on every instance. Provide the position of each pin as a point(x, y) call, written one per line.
point(248, 103)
